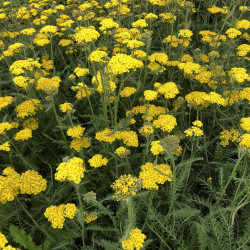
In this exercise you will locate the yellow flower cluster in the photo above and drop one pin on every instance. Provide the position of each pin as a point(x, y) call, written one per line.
point(146, 130)
point(85, 35)
point(66, 107)
point(122, 63)
point(82, 90)
point(152, 175)
point(102, 81)
point(243, 49)
point(156, 148)
point(135, 240)
point(76, 132)
point(4, 126)
point(23, 135)
point(215, 10)
point(5, 101)
point(150, 95)
point(48, 85)
point(22, 81)
point(9, 185)
point(57, 214)
point(229, 135)
point(97, 161)
point(72, 170)
point(243, 24)
point(126, 186)
point(79, 143)
point(168, 89)
point(233, 33)
point(122, 152)
point(5, 146)
point(193, 131)
point(245, 141)
point(98, 56)
point(128, 91)
point(20, 66)
point(107, 24)
point(152, 111)
point(28, 108)
point(89, 217)
point(31, 124)
point(165, 122)
point(32, 183)
point(12, 49)
point(238, 74)
point(3, 240)
point(12, 183)
point(129, 138)
point(245, 123)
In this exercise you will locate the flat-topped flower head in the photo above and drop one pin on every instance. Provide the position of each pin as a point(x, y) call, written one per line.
point(71, 170)
point(125, 187)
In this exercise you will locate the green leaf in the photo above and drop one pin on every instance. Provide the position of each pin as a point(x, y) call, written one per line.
point(20, 237)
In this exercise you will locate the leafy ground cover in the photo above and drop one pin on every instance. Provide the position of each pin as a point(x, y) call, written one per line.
point(124, 124)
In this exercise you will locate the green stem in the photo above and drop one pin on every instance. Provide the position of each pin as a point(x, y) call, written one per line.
point(25, 210)
point(230, 178)
point(59, 123)
point(81, 213)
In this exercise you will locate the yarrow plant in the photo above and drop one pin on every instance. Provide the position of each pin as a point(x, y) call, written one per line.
point(123, 124)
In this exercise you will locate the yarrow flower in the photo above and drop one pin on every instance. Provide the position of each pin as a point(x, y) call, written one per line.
point(5, 101)
point(72, 170)
point(165, 122)
point(245, 123)
point(122, 152)
point(75, 132)
point(245, 141)
point(32, 183)
point(79, 143)
point(128, 91)
point(57, 214)
point(5, 146)
point(66, 107)
point(122, 63)
point(229, 135)
point(135, 240)
point(156, 148)
point(151, 175)
point(97, 161)
point(125, 187)
point(89, 217)
point(28, 108)
point(23, 135)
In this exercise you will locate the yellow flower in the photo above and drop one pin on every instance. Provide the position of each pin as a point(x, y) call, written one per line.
point(135, 240)
point(66, 107)
point(57, 214)
point(5, 146)
point(245, 123)
point(150, 95)
point(122, 63)
point(122, 152)
point(165, 122)
point(23, 135)
point(75, 132)
point(72, 170)
point(3, 241)
point(79, 143)
point(233, 33)
point(32, 183)
point(128, 91)
point(156, 148)
point(28, 108)
point(152, 175)
point(5, 101)
point(125, 186)
point(88, 217)
point(97, 161)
